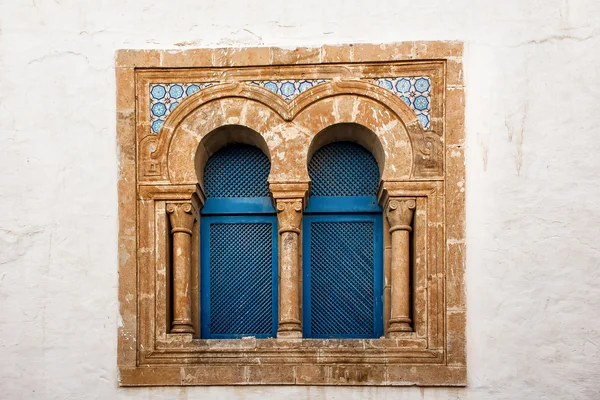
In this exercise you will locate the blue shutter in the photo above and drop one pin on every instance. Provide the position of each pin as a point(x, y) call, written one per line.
point(238, 276)
point(237, 171)
point(342, 245)
point(238, 248)
point(343, 169)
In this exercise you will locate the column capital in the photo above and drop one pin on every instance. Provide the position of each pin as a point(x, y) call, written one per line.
point(289, 215)
point(289, 190)
point(181, 216)
point(399, 212)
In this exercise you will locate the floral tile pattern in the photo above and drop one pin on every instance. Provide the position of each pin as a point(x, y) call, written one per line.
point(288, 89)
point(414, 91)
point(164, 97)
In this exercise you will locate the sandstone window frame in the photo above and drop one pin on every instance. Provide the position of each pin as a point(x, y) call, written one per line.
point(157, 196)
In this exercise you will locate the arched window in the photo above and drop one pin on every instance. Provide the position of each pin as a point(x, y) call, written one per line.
point(342, 245)
point(328, 246)
point(238, 249)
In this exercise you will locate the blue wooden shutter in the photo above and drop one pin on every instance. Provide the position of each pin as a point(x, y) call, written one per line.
point(342, 245)
point(238, 248)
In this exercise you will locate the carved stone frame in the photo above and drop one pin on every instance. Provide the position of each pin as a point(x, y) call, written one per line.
point(160, 192)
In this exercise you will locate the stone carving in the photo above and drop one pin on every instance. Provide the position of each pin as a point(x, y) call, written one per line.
point(289, 215)
point(399, 213)
point(289, 218)
point(377, 108)
point(181, 216)
point(422, 189)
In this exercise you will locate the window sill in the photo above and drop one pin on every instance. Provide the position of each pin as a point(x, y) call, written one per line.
point(250, 361)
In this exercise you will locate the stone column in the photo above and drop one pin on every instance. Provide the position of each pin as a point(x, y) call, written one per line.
point(182, 217)
point(399, 212)
point(289, 218)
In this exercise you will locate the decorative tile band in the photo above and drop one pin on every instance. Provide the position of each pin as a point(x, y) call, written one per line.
point(414, 91)
point(288, 89)
point(164, 97)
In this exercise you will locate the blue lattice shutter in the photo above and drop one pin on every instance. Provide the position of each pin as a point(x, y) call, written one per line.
point(342, 245)
point(238, 247)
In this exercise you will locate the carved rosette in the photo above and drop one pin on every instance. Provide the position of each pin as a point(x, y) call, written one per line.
point(182, 217)
point(289, 217)
point(399, 213)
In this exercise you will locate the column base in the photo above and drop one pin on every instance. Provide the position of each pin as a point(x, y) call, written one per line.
point(289, 329)
point(398, 335)
point(398, 326)
point(182, 327)
point(289, 335)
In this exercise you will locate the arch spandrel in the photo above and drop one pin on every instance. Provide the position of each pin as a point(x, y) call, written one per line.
point(187, 142)
point(288, 129)
point(170, 156)
point(393, 138)
point(355, 100)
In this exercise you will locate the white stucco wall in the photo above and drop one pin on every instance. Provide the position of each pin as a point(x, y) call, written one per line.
point(533, 183)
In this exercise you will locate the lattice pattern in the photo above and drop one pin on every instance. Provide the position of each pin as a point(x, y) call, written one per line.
point(343, 169)
point(237, 171)
point(241, 279)
point(414, 91)
point(290, 88)
point(164, 97)
point(342, 278)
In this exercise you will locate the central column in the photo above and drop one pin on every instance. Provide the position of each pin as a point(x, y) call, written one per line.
point(399, 212)
point(289, 218)
point(182, 217)
point(290, 199)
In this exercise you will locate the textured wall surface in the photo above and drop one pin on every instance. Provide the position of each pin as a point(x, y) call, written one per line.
point(533, 216)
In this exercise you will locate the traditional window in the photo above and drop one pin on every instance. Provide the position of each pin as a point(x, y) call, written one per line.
point(343, 245)
point(272, 197)
point(238, 236)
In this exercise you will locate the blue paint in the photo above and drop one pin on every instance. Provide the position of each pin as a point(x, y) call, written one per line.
point(342, 245)
point(247, 291)
point(238, 247)
point(343, 169)
point(342, 296)
point(238, 205)
point(339, 204)
point(238, 170)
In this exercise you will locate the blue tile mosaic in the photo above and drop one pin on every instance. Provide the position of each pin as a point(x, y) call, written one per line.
point(414, 91)
point(288, 89)
point(164, 97)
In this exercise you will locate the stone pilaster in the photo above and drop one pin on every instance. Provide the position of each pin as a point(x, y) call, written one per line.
point(399, 212)
point(182, 217)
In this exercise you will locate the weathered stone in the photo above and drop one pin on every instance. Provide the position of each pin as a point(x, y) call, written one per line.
point(181, 216)
point(399, 213)
point(422, 189)
point(289, 218)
